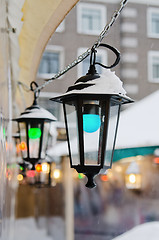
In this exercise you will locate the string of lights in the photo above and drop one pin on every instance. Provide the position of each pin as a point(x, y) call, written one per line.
point(81, 57)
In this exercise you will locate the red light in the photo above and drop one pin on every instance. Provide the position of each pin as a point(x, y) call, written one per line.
point(30, 173)
point(104, 178)
point(8, 173)
point(38, 168)
point(156, 160)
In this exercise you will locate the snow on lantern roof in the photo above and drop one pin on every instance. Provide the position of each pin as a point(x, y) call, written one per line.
point(105, 84)
point(34, 112)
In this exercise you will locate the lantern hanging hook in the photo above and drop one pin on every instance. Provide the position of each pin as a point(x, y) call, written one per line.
point(33, 88)
point(93, 56)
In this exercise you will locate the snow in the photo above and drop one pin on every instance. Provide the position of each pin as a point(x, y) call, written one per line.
point(52, 228)
point(146, 231)
point(27, 229)
point(37, 112)
point(107, 83)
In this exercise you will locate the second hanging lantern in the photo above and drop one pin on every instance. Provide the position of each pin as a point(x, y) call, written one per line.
point(34, 127)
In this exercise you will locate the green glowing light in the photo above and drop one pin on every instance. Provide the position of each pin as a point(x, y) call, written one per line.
point(80, 175)
point(34, 133)
point(4, 132)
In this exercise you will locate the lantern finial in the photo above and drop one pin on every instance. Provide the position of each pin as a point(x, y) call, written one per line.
point(90, 183)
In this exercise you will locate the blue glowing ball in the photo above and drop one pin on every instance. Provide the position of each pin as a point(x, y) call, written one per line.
point(91, 123)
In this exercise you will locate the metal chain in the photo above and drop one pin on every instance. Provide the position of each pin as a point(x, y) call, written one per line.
point(88, 51)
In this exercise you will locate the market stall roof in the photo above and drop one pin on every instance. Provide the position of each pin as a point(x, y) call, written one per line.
point(139, 124)
point(137, 132)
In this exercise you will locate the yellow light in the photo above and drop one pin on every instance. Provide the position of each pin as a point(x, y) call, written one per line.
point(132, 178)
point(45, 167)
point(109, 174)
point(56, 173)
point(20, 177)
point(38, 168)
point(118, 168)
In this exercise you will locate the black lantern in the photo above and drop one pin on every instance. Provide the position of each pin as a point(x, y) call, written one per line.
point(88, 106)
point(34, 127)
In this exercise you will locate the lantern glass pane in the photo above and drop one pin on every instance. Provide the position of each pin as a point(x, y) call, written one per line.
point(92, 122)
point(34, 133)
point(112, 128)
point(45, 139)
point(72, 126)
point(23, 139)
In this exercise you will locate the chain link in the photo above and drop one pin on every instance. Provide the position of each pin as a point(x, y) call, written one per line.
point(88, 51)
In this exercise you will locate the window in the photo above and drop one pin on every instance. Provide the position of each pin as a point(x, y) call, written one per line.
point(84, 65)
point(91, 18)
point(153, 22)
point(153, 64)
point(51, 62)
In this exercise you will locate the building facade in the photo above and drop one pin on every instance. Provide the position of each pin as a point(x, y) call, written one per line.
point(135, 34)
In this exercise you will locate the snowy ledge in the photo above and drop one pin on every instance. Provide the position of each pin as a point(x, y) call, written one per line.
point(146, 231)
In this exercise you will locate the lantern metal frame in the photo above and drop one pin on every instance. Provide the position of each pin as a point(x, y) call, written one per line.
point(85, 89)
point(79, 168)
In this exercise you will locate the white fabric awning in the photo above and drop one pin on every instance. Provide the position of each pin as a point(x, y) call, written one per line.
point(61, 149)
point(34, 22)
